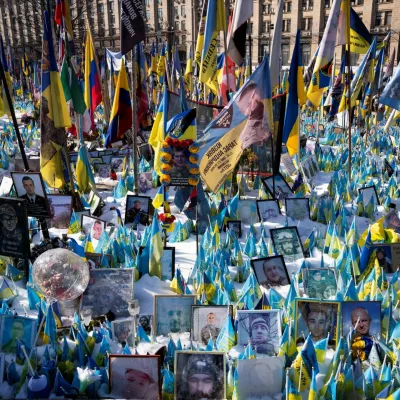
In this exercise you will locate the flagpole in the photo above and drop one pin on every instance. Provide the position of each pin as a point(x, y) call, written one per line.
point(14, 118)
point(134, 127)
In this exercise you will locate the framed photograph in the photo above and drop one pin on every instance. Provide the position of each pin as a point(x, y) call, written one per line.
point(123, 331)
point(247, 211)
point(94, 201)
point(208, 321)
point(145, 151)
point(80, 213)
point(29, 186)
point(109, 289)
point(200, 375)
point(94, 259)
point(297, 208)
point(116, 163)
point(363, 316)
point(267, 209)
point(282, 189)
point(318, 318)
point(146, 322)
point(60, 209)
point(102, 170)
point(136, 205)
point(145, 182)
point(106, 158)
point(271, 271)
point(287, 243)
point(135, 377)
point(319, 283)
point(6, 186)
point(388, 256)
point(14, 233)
point(172, 313)
point(235, 227)
point(260, 378)
point(94, 154)
point(14, 327)
point(262, 328)
point(94, 226)
point(367, 193)
point(168, 264)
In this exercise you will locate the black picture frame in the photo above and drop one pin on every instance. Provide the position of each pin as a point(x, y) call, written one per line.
point(96, 259)
point(41, 208)
point(168, 249)
point(268, 184)
point(272, 201)
point(297, 199)
point(144, 219)
point(16, 242)
point(262, 277)
point(360, 191)
point(234, 223)
point(274, 232)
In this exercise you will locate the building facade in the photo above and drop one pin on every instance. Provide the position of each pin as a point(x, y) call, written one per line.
point(178, 22)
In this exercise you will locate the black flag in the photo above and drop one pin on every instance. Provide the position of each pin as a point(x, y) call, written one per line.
point(132, 24)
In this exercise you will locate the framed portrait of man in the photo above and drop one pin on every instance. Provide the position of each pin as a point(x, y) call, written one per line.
point(271, 271)
point(172, 313)
point(135, 377)
point(168, 264)
point(180, 167)
point(60, 209)
point(282, 189)
point(102, 170)
point(247, 211)
point(29, 186)
point(319, 318)
point(297, 208)
point(287, 243)
point(14, 231)
point(93, 226)
point(109, 289)
point(262, 328)
point(368, 192)
point(320, 283)
point(200, 375)
point(138, 210)
point(145, 321)
point(123, 331)
point(116, 163)
point(207, 321)
point(362, 318)
point(267, 209)
point(14, 327)
point(260, 377)
point(235, 227)
point(145, 182)
point(384, 256)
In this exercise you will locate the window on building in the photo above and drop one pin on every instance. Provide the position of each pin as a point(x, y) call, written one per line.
point(148, 15)
point(264, 50)
point(264, 27)
point(286, 25)
point(306, 24)
point(111, 19)
point(177, 26)
point(176, 12)
point(100, 8)
point(287, 7)
point(183, 11)
point(388, 18)
point(304, 4)
point(285, 54)
point(183, 26)
point(251, 28)
point(265, 9)
point(159, 13)
point(111, 5)
point(327, 3)
point(305, 53)
point(183, 39)
point(383, 18)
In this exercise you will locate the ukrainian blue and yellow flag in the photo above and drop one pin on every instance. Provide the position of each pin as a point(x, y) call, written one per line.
point(215, 22)
point(54, 116)
point(159, 129)
point(188, 75)
point(296, 97)
point(156, 249)
point(4, 106)
point(153, 58)
point(74, 224)
point(321, 76)
point(200, 37)
point(121, 113)
point(162, 62)
point(5, 290)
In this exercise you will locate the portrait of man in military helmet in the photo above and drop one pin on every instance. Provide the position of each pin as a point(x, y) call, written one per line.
point(14, 234)
point(199, 375)
point(287, 243)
